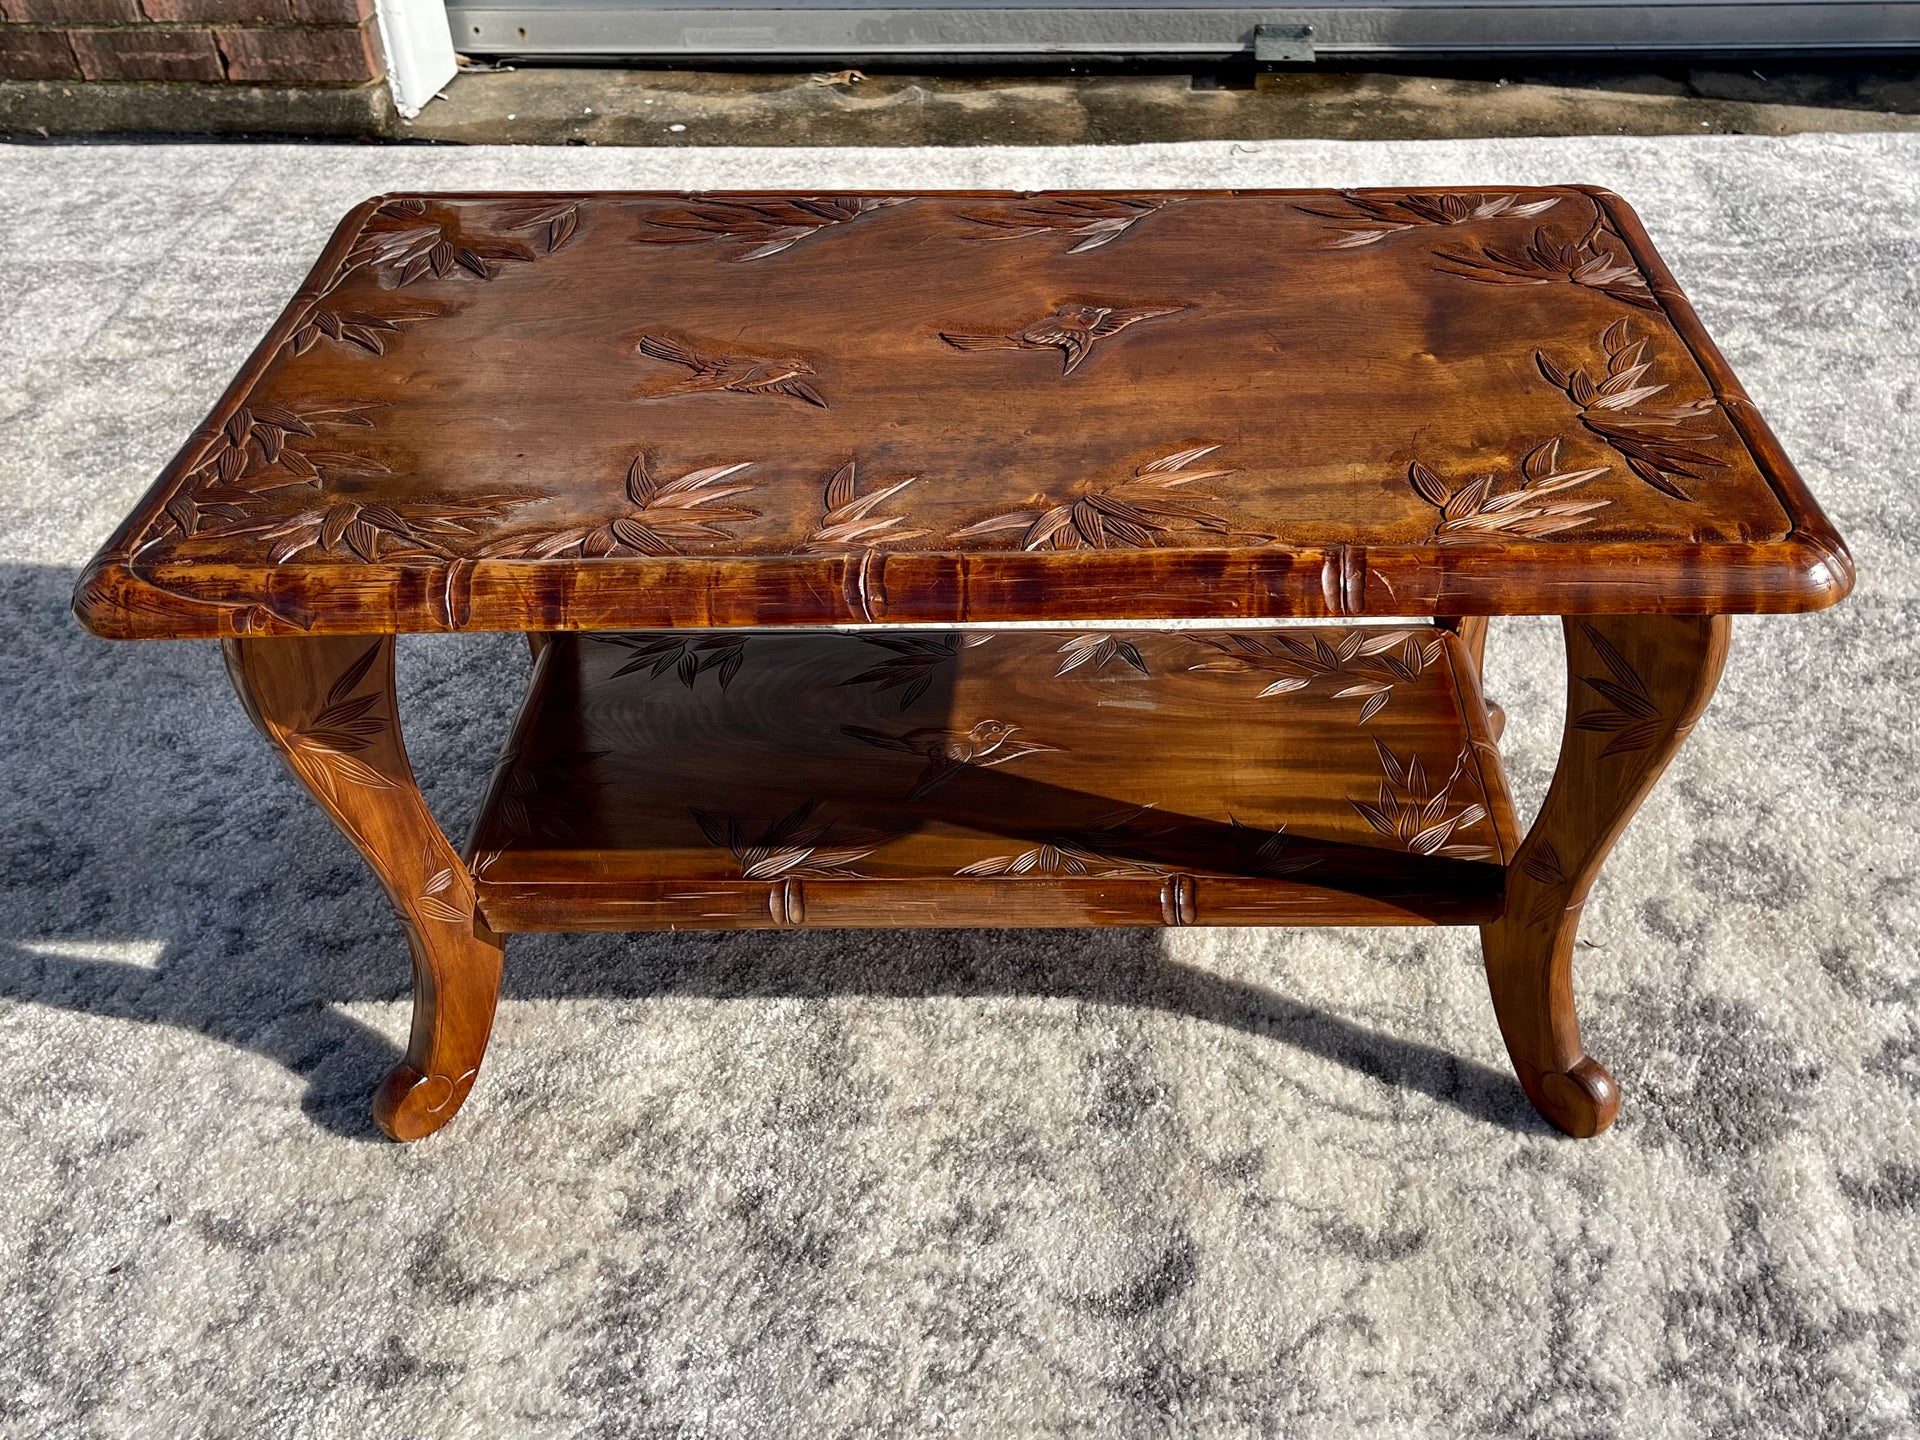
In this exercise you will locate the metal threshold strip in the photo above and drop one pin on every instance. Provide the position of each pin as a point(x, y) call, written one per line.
point(1065, 29)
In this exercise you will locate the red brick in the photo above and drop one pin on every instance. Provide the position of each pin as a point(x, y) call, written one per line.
point(307, 57)
point(331, 12)
point(70, 12)
point(218, 12)
point(36, 55)
point(146, 52)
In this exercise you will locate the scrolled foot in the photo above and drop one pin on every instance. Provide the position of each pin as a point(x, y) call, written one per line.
point(1582, 1101)
point(411, 1106)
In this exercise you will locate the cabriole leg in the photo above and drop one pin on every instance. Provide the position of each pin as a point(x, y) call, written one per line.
point(1636, 684)
point(327, 704)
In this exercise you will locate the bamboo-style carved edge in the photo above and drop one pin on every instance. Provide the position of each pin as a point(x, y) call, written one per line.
point(936, 588)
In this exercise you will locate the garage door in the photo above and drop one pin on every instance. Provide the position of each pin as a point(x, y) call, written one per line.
point(1168, 29)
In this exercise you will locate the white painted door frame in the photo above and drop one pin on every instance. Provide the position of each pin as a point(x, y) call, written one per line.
point(419, 50)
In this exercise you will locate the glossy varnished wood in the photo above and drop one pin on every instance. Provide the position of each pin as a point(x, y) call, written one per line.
point(669, 780)
point(1636, 685)
point(683, 423)
point(612, 411)
point(328, 705)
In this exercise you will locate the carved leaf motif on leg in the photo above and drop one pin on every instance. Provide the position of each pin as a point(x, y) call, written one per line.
point(328, 703)
point(443, 894)
point(344, 724)
point(1659, 672)
point(1629, 711)
point(1543, 863)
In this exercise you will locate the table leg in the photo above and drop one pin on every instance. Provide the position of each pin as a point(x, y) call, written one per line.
point(327, 704)
point(1636, 684)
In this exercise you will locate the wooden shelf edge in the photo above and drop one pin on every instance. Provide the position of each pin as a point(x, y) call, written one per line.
point(559, 886)
point(879, 902)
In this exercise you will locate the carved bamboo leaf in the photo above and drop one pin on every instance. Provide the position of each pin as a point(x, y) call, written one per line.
point(1372, 218)
point(1091, 221)
point(759, 227)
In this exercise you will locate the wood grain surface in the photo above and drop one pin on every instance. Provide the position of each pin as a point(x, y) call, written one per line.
point(1636, 686)
point(587, 412)
point(329, 706)
point(663, 780)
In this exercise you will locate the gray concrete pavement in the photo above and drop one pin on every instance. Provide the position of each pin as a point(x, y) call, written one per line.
point(534, 104)
point(558, 105)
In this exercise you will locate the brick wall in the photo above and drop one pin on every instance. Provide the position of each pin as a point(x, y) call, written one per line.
point(292, 43)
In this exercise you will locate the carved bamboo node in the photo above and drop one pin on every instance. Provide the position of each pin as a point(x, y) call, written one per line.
point(1343, 580)
point(787, 903)
point(1178, 900)
point(865, 585)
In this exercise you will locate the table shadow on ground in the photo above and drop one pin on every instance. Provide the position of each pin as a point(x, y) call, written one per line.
point(98, 843)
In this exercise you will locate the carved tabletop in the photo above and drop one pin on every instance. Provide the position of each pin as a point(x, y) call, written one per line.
point(603, 412)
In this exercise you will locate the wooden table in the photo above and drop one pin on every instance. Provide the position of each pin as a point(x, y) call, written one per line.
point(981, 559)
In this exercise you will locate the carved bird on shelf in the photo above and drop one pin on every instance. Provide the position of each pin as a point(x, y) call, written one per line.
point(1072, 330)
point(947, 752)
point(746, 374)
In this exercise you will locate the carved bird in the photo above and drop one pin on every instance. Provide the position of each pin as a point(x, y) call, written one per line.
point(947, 752)
point(747, 374)
point(1072, 330)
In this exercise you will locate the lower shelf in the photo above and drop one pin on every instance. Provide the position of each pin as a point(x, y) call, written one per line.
point(724, 780)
